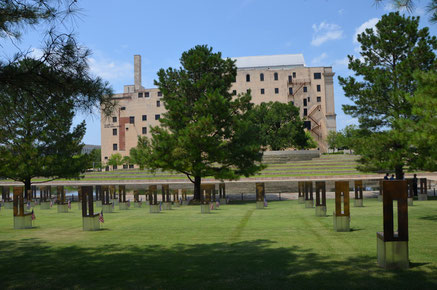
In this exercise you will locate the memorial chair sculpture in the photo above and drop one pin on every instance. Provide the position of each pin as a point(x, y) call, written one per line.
point(342, 211)
point(153, 199)
point(106, 203)
point(300, 188)
point(6, 197)
point(206, 191)
point(308, 191)
point(166, 202)
point(29, 198)
point(392, 246)
point(185, 200)
point(79, 197)
point(320, 198)
point(22, 219)
point(175, 194)
point(358, 186)
point(260, 195)
point(137, 202)
point(410, 186)
point(44, 197)
point(122, 203)
point(90, 220)
point(113, 194)
point(99, 196)
point(222, 193)
point(62, 205)
point(423, 194)
point(380, 190)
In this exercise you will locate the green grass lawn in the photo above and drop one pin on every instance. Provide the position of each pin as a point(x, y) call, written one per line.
point(282, 247)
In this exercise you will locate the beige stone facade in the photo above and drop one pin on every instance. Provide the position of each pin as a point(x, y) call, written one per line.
point(282, 78)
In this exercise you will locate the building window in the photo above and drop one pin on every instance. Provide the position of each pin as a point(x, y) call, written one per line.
point(294, 74)
point(159, 94)
point(234, 92)
point(275, 76)
point(106, 157)
point(261, 77)
point(292, 103)
point(248, 78)
point(157, 117)
point(290, 79)
point(131, 166)
point(131, 120)
point(114, 119)
point(307, 125)
point(114, 132)
point(158, 103)
point(147, 95)
point(144, 130)
point(305, 89)
point(319, 99)
point(317, 76)
point(318, 88)
point(248, 91)
point(114, 167)
point(309, 100)
point(140, 95)
point(144, 117)
point(123, 108)
point(114, 147)
point(262, 91)
point(276, 90)
point(305, 112)
point(290, 91)
point(305, 102)
point(124, 166)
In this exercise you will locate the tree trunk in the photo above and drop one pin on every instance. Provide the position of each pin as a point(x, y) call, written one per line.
point(27, 187)
point(197, 181)
point(399, 170)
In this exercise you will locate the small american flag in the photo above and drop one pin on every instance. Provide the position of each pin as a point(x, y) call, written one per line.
point(211, 206)
point(69, 204)
point(28, 205)
point(101, 219)
point(33, 215)
point(265, 201)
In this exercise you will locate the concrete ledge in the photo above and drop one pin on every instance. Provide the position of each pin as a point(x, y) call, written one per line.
point(62, 208)
point(123, 206)
point(107, 208)
point(166, 205)
point(260, 204)
point(91, 223)
point(358, 202)
point(410, 201)
point(341, 223)
point(423, 196)
point(137, 204)
point(98, 203)
point(45, 205)
point(309, 203)
point(287, 156)
point(204, 208)
point(301, 199)
point(23, 222)
point(154, 208)
point(320, 210)
point(392, 254)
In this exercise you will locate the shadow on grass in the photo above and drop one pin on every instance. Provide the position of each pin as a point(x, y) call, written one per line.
point(250, 264)
point(429, 218)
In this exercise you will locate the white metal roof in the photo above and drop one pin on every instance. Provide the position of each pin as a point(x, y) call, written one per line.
point(269, 61)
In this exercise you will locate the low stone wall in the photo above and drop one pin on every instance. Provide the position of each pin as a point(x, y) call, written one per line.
point(271, 157)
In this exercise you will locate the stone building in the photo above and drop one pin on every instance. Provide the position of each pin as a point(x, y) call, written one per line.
point(282, 78)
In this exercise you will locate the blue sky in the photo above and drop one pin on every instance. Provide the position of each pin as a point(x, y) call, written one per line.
point(323, 30)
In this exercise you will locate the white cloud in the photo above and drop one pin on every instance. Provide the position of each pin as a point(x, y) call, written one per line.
point(110, 70)
point(318, 59)
point(325, 32)
point(341, 12)
point(341, 62)
point(36, 53)
point(368, 24)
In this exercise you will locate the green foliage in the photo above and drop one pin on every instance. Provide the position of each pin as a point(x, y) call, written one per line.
point(409, 5)
point(139, 154)
point(115, 159)
point(95, 158)
point(280, 126)
point(390, 55)
point(205, 131)
point(35, 138)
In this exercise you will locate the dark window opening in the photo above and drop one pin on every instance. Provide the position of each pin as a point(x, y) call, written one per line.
point(158, 103)
point(309, 100)
point(144, 130)
point(319, 99)
point(114, 119)
point(275, 75)
point(261, 77)
point(157, 117)
point(114, 147)
point(319, 88)
point(276, 90)
point(147, 94)
point(144, 117)
point(124, 166)
point(262, 91)
point(234, 92)
point(114, 132)
point(123, 108)
point(131, 120)
point(140, 95)
point(317, 76)
point(106, 157)
point(294, 74)
point(131, 166)
point(305, 89)
point(307, 125)
point(159, 94)
point(248, 78)
point(305, 102)
point(290, 91)
point(114, 166)
point(290, 79)
point(305, 112)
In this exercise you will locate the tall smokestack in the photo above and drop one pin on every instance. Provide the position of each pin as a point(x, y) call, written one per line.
point(137, 71)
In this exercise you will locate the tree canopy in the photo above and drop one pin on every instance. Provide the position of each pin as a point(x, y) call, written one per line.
point(206, 130)
point(380, 91)
point(280, 126)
